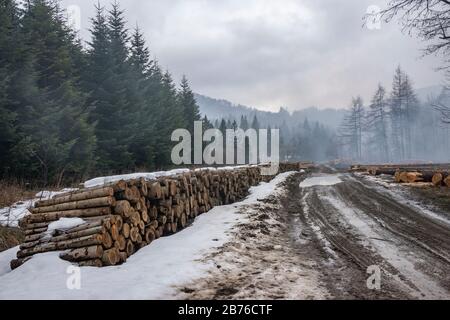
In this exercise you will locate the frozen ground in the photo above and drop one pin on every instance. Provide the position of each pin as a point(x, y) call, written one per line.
point(154, 272)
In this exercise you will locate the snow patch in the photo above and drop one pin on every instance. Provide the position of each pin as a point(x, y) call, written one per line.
point(10, 216)
point(324, 180)
point(152, 175)
point(62, 224)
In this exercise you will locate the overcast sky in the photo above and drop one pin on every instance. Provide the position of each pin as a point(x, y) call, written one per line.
point(272, 53)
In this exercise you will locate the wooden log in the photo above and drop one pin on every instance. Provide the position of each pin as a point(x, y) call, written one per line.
point(91, 263)
point(412, 177)
point(152, 224)
point(141, 226)
point(15, 263)
point(110, 257)
point(154, 190)
point(123, 257)
point(32, 241)
point(123, 208)
point(447, 181)
point(78, 213)
point(82, 204)
point(162, 220)
point(126, 230)
point(63, 245)
point(144, 216)
point(107, 240)
point(130, 193)
point(35, 231)
point(160, 231)
point(120, 243)
point(168, 228)
point(139, 240)
point(88, 194)
point(149, 235)
point(135, 218)
point(29, 226)
point(152, 213)
point(119, 222)
point(84, 226)
point(439, 177)
point(174, 226)
point(130, 248)
point(114, 232)
point(182, 221)
point(81, 254)
point(134, 233)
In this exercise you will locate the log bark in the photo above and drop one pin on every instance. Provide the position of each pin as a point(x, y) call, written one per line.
point(91, 263)
point(81, 254)
point(29, 242)
point(78, 213)
point(83, 204)
point(63, 245)
point(15, 263)
point(88, 194)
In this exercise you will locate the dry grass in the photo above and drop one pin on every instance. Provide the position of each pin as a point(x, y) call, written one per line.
point(11, 192)
point(10, 237)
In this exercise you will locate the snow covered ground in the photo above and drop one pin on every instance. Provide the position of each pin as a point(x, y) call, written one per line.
point(154, 272)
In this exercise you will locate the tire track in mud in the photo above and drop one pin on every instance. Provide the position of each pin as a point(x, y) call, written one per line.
point(346, 259)
point(429, 234)
point(414, 254)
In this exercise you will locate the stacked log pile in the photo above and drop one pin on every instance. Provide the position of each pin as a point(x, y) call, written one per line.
point(436, 174)
point(121, 218)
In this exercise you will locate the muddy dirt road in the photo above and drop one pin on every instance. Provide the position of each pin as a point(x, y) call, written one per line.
point(322, 236)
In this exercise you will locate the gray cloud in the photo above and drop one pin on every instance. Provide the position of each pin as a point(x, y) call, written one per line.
point(269, 53)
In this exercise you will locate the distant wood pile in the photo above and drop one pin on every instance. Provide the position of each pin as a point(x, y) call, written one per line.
point(124, 216)
point(435, 174)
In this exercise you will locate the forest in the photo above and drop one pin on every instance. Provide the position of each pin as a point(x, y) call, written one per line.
point(71, 110)
point(396, 126)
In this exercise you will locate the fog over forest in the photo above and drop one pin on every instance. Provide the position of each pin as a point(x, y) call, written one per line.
point(397, 125)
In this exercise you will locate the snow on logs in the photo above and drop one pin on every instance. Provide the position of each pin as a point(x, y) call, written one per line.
point(120, 218)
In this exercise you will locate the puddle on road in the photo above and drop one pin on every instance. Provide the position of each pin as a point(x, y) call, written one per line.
point(325, 180)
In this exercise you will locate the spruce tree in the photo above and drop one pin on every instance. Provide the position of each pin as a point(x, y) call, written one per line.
point(55, 121)
point(188, 104)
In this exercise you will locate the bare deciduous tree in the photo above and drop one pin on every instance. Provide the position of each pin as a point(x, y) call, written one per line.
point(428, 19)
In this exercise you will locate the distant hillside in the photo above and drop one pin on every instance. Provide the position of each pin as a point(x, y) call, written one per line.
point(219, 108)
